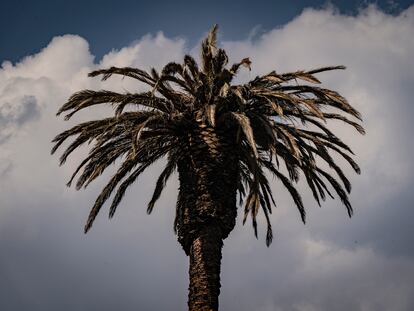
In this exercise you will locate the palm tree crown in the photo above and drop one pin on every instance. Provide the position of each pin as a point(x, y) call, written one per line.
point(195, 114)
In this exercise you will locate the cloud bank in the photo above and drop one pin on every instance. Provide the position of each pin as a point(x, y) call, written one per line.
point(134, 262)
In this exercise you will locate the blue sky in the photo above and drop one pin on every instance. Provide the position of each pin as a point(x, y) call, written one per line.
point(134, 262)
point(27, 26)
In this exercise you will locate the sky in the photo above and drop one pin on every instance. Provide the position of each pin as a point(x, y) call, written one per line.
point(133, 261)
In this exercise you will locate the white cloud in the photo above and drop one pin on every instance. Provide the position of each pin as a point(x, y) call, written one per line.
point(330, 264)
point(16, 112)
point(60, 60)
point(150, 51)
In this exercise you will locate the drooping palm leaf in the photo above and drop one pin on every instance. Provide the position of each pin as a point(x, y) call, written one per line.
point(187, 110)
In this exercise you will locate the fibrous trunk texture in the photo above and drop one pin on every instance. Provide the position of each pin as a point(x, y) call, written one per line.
point(206, 210)
point(208, 176)
point(205, 258)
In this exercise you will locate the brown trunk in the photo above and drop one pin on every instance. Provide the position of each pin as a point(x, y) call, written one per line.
point(206, 210)
point(205, 258)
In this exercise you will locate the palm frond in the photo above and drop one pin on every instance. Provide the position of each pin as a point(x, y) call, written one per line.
point(135, 73)
point(276, 121)
point(162, 181)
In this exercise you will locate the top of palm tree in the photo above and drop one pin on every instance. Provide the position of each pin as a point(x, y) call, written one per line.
point(271, 114)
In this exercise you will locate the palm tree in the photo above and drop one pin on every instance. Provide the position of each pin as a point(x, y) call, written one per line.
point(220, 138)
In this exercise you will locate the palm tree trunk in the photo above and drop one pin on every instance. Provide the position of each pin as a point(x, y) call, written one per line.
point(206, 212)
point(206, 217)
point(205, 260)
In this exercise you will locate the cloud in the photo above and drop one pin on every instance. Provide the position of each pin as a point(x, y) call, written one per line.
point(332, 263)
point(150, 51)
point(15, 113)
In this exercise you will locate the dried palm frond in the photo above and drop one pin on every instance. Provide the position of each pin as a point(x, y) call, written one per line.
point(186, 116)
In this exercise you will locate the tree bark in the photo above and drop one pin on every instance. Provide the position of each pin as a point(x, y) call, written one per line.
point(205, 260)
point(206, 210)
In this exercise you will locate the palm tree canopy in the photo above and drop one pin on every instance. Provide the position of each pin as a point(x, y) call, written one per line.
point(270, 115)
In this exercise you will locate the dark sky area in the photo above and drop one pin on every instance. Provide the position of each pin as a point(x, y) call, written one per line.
point(27, 26)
